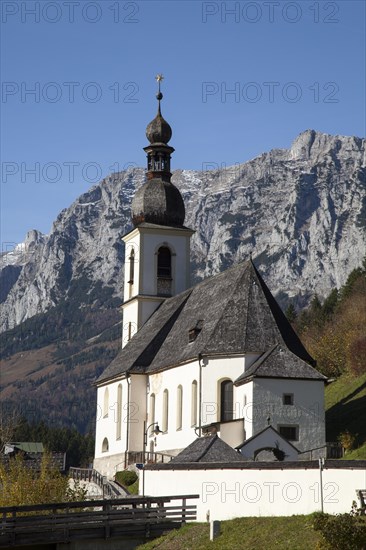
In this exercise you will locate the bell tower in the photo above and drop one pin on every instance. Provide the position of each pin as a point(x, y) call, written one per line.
point(157, 250)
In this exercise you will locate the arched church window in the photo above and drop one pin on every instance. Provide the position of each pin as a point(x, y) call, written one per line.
point(179, 407)
point(226, 400)
point(194, 403)
point(105, 445)
point(164, 424)
point(119, 411)
point(132, 266)
point(106, 403)
point(164, 263)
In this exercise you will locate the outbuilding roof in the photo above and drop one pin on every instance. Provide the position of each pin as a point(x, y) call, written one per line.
point(208, 449)
point(279, 362)
point(260, 434)
point(235, 314)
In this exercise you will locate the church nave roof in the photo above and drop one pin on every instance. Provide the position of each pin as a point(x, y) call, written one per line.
point(231, 313)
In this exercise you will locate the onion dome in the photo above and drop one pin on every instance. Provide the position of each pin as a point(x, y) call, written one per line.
point(158, 131)
point(158, 202)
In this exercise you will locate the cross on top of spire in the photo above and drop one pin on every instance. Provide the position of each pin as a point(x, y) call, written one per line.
point(159, 78)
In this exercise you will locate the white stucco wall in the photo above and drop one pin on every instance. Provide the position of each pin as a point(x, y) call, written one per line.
point(174, 439)
point(130, 315)
point(254, 403)
point(307, 412)
point(244, 407)
point(266, 439)
point(137, 413)
point(132, 242)
point(227, 494)
point(213, 373)
point(232, 432)
point(107, 426)
point(178, 242)
point(146, 242)
point(132, 420)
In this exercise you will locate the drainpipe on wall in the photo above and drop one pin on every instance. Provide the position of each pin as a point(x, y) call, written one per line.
point(147, 409)
point(128, 378)
point(321, 466)
point(200, 397)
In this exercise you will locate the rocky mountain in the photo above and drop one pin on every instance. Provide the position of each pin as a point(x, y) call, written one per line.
point(300, 212)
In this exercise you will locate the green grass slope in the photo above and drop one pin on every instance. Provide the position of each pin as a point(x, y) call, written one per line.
point(284, 533)
point(345, 403)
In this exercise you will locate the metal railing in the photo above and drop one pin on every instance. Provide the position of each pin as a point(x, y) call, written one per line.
point(145, 457)
point(93, 476)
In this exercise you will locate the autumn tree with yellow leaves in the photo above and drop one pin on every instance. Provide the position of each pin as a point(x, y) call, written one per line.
point(22, 485)
point(334, 332)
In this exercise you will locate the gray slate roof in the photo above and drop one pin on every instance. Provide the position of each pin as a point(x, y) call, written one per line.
point(208, 449)
point(279, 362)
point(238, 314)
point(158, 202)
point(266, 429)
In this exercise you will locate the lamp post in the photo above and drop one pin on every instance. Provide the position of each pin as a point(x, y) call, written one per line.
point(157, 431)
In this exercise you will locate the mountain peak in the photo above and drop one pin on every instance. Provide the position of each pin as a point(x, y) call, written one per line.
point(299, 211)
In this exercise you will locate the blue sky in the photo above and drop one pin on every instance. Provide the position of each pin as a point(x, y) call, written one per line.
point(241, 78)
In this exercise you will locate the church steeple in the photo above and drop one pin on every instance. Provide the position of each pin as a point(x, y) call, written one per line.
point(157, 249)
point(158, 201)
point(159, 133)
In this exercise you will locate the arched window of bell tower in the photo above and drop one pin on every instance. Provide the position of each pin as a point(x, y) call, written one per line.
point(164, 263)
point(131, 260)
point(164, 274)
point(132, 266)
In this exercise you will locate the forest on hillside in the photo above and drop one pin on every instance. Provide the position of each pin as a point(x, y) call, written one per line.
point(79, 448)
point(334, 331)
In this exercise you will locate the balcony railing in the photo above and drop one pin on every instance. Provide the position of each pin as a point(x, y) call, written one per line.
point(145, 457)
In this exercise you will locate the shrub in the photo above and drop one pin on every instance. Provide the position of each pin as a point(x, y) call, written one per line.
point(341, 532)
point(126, 478)
point(347, 440)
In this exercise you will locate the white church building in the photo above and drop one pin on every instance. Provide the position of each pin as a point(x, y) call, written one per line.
point(217, 358)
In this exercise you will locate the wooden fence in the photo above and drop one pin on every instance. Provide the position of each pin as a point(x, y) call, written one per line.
point(137, 517)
